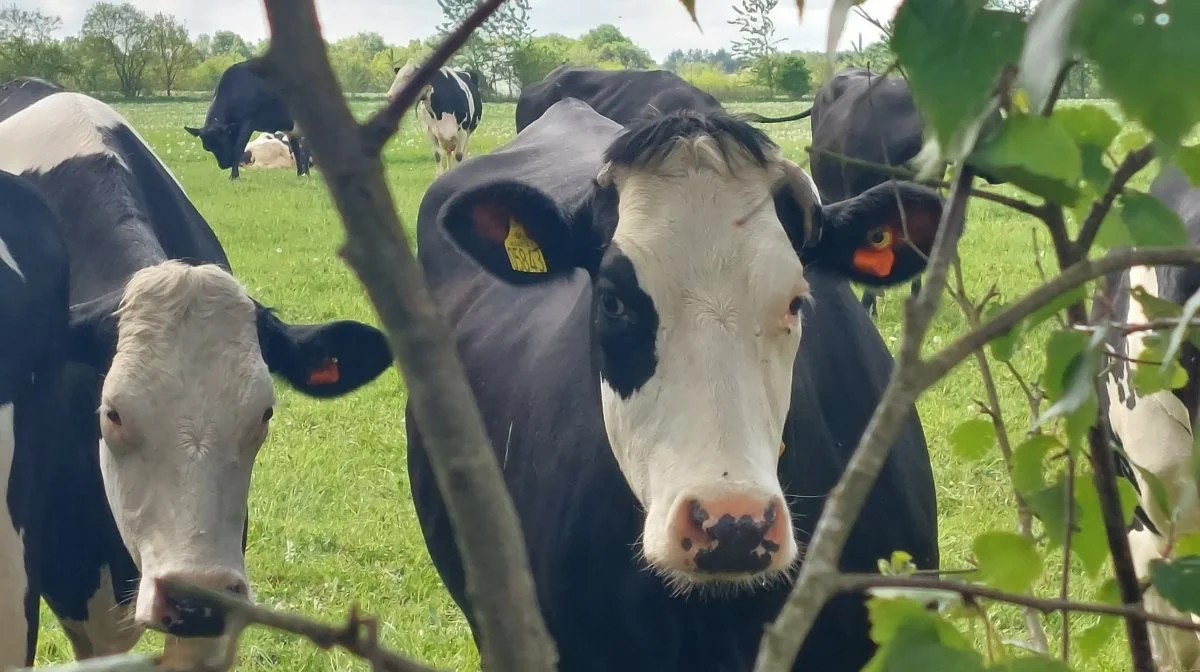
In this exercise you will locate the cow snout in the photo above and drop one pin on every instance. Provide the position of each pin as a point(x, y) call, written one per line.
point(734, 534)
point(188, 617)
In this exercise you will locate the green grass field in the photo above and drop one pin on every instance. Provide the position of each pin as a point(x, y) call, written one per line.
point(331, 517)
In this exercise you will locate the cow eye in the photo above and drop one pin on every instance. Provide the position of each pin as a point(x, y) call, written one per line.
point(268, 414)
point(794, 306)
point(113, 417)
point(611, 305)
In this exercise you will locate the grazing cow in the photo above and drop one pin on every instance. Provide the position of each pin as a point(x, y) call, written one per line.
point(1155, 430)
point(269, 150)
point(178, 359)
point(33, 338)
point(449, 107)
point(868, 118)
point(621, 95)
point(629, 307)
point(244, 103)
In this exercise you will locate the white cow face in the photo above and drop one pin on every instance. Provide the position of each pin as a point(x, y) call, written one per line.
point(184, 410)
point(698, 290)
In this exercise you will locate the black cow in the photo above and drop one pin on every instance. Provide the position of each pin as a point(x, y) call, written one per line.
point(450, 107)
point(629, 306)
point(242, 104)
point(178, 360)
point(33, 339)
point(621, 95)
point(1156, 430)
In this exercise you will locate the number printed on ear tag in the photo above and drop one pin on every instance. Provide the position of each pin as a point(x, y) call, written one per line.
point(523, 253)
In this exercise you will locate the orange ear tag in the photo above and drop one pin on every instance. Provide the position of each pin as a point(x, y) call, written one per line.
point(874, 262)
point(326, 374)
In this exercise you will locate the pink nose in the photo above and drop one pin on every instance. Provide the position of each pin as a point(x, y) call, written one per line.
point(190, 617)
point(732, 534)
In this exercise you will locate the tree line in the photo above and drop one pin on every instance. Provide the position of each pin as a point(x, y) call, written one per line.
point(123, 50)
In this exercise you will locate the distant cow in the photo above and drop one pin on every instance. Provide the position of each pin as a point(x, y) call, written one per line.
point(449, 107)
point(269, 150)
point(629, 305)
point(244, 103)
point(33, 342)
point(178, 361)
point(1156, 430)
point(883, 128)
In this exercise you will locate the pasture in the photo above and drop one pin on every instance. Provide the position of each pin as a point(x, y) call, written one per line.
point(331, 517)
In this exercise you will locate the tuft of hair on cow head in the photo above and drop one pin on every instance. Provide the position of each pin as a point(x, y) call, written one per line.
point(92, 331)
point(881, 237)
point(322, 360)
point(513, 231)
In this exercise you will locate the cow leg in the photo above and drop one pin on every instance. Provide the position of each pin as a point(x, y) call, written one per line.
point(1173, 650)
point(460, 143)
point(300, 154)
point(233, 173)
point(14, 626)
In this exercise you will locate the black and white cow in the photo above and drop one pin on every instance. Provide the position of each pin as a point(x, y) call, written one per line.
point(1155, 430)
point(244, 103)
point(449, 107)
point(624, 96)
point(33, 339)
point(629, 307)
point(863, 116)
point(178, 360)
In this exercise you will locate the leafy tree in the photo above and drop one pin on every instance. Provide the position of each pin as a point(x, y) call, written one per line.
point(27, 45)
point(611, 45)
point(122, 34)
point(758, 43)
point(205, 75)
point(173, 52)
point(229, 42)
point(494, 49)
point(721, 58)
point(203, 45)
point(792, 76)
point(542, 54)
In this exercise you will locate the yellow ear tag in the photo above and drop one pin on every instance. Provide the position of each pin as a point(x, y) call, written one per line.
point(523, 253)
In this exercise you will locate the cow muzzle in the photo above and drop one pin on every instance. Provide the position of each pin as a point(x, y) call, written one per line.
point(734, 536)
point(186, 617)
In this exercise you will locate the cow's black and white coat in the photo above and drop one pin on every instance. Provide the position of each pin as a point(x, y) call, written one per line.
point(629, 308)
point(244, 103)
point(449, 108)
point(178, 360)
point(33, 339)
point(1155, 430)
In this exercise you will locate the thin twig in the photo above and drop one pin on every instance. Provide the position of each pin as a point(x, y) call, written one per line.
point(383, 124)
point(1134, 162)
point(1064, 589)
point(910, 175)
point(1060, 80)
point(1162, 324)
point(511, 634)
point(357, 637)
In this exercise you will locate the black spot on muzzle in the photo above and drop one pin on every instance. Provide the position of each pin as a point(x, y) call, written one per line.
point(738, 544)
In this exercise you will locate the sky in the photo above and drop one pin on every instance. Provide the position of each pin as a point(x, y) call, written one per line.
point(659, 26)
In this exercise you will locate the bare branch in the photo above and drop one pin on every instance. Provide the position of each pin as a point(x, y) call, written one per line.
point(1163, 324)
point(358, 637)
point(1134, 162)
point(511, 633)
point(384, 123)
point(1056, 90)
point(908, 174)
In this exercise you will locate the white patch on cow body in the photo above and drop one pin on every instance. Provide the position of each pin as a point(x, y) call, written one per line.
point(109, 629)
point(14, 583)
point(7, 258)
point(466, 91)
point(705, 426)
point(61, 127)
point(268, 151)
point(1156, 432)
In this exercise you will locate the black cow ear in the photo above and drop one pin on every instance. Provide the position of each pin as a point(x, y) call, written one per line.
point(322, 360)
point(194, 131)
point(880, 237)
point(513, 231)
point(92, 331)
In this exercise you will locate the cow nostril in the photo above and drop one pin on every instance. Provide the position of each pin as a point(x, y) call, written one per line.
point(698, 514)
point(238, 588)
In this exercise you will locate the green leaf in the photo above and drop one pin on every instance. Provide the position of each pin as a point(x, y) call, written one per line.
point(1187, 544)
point(1072, 362)
point(1088, 125)
point(1109, 593)
point(1144, 49)
point(915, 639)
point(973, 439)
point(1090, 541)
point(1181, 331)
point(1150, 222)
point(1095, 172)
point(952, 52)
point(1027, 463)
point(1129, 499)
point(1148, 377)
point(1153, 307)
point(1036, 154)
point(1187, 159)
point(1058, 304)
point(1004, 345)
point(1178, 581)
point(1089, 642)
point(1062, 350)
point(1158, 491)
point(1007, 561)
point(1031, 664)
point(1050, 506)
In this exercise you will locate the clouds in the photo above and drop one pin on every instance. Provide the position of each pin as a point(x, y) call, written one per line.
point(660, 26)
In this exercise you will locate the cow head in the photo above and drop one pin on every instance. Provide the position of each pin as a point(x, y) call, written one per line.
point(184, 409)
point(221, 141)
point(694, 240)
